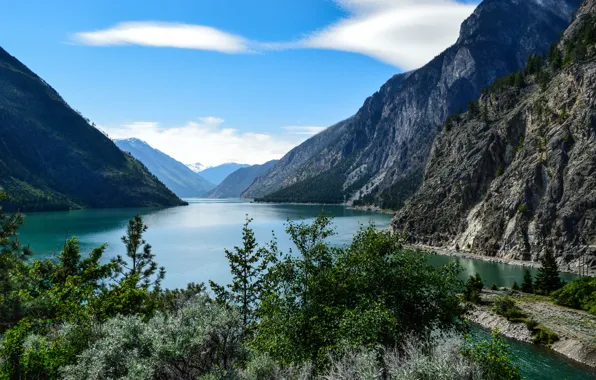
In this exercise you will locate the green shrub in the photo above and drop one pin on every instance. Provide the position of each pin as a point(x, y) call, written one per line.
point(473, 288)
point(515, 286)
point(544, 336)
point(494, 287)
point(494, 359)
point(578, 294)
point(505, 306)
point(531, 324)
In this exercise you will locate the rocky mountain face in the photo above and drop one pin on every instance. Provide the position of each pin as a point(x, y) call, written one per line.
point(216, 174)
point(237, 182)
point(378, 156)
point(518, 177)
point(184, 182)
point(51, 158)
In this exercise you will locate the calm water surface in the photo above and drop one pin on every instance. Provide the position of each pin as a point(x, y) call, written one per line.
point(190, 241)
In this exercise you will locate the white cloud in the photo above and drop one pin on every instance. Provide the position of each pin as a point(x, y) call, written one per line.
point(403, 33)
point(309, 130)
point(207, 142)
point(161, 34)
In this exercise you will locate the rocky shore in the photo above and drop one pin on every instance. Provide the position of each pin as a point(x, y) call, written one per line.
point(576, 329)
point(469, 255)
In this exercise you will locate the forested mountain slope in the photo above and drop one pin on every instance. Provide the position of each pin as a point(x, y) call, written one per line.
point(237, 182)
point(51, 158)
point(184, 182)
point(378, 156)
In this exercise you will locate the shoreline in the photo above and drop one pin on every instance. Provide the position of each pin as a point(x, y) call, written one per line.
point(573, 327)
point(498, 260)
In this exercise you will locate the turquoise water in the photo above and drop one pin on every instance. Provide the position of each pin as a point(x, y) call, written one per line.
point(190, 241)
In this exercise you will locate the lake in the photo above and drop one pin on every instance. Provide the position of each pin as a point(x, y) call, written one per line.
point(190, 241)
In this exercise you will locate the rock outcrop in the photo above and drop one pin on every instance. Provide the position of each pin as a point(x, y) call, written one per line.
point(519, 177)
point(378, 156)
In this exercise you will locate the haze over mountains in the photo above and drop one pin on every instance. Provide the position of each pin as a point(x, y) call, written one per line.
point(236, 183)
point(217, 174)
point(176, 176)
point(51, 158)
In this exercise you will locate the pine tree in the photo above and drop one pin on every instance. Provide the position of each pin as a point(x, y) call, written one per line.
point(515, 286)
point(527, 285)
point(248, 265)
point(547, 279)
point(140, 269)
point(520, 80)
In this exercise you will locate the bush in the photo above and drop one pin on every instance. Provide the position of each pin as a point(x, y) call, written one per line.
point(515, 286)
point(191, 342)
point(494, 287)
point(506, 307)
point(578, 294)
point(473, 288)
point(531, 325)
point(493, 358)
point(544, 336)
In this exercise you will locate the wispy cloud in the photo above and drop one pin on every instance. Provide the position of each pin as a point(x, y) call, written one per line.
point(403, 33)
point(161, 34)
point(308, 130)
point(207, 142)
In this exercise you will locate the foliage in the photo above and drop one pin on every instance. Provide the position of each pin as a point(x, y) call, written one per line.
point(493, 358)
point(195, 340)
point(542, 335)
point(527, 285)
point(547, 280)
point(506, 307)
point(248, 265)
point(578, 294)
point(494, 287)
point(515, 286)
point(473, 288)
point(373, 292)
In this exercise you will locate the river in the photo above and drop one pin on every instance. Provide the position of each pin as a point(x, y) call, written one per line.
point(189, 242)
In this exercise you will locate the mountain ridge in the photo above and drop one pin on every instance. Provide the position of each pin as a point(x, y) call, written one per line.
point(51, 158)
point(175, 175)
point(236, 183)
point(378, 155)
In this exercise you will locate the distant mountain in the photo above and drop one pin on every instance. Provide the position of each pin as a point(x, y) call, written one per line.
point(175, 175)
point(217, 174)
point(51, 158)
point(197, 167)
point(237, 182)
point(378, 155)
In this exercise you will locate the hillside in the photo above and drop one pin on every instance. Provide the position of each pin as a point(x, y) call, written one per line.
point(216, 174)
point(237, 182)
point(175, 175)
point(518, 176)
point(378, 155)
point(51, 158)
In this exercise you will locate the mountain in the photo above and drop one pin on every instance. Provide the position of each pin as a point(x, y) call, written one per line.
point(217, 174)
point(519, 178)
point(51, 158)
point(175, 175)
point(197, 167)
point(237, 182)
point(378, 155)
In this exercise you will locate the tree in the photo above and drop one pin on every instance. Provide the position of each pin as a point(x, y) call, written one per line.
point(371, 293)
point(547, 279)
point(527, 285)
point(515, 286)
point(472, 289)
point(485, 115)
point(249, 265)
point(12, 266)
point(520, 80)
point(141, 270)
point(494, 358)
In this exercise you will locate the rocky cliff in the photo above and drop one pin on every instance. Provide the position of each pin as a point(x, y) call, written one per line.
point(378, 155)
point(518, 176)
point(51, 158)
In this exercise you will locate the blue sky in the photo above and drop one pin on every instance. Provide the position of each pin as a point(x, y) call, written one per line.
point(229, 80)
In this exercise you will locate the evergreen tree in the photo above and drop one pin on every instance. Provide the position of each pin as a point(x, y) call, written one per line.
point(248, 265)
point(520, 80)
point(547, 279)
point(472, 289)
point(141, 271)
point(485, 111)
point(527, 285)
point(515, 286)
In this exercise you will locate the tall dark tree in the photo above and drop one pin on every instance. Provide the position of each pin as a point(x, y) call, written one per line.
point(12, 258)
point(248, 265)
point(527, 285)
point(141, 270)
point(547, 279)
